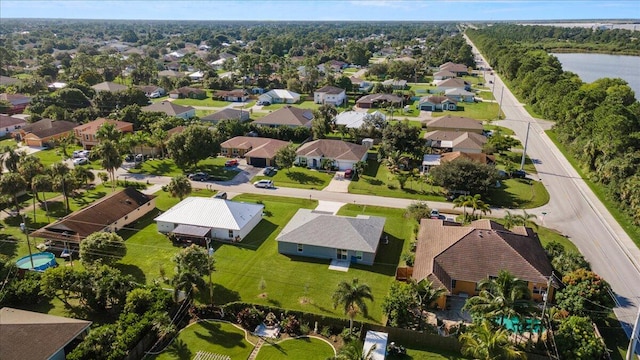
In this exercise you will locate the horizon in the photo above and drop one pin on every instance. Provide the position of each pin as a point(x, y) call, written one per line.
point(327, 10)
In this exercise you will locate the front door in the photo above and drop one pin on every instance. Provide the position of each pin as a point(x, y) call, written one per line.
point(342, 254)
point(315, 163)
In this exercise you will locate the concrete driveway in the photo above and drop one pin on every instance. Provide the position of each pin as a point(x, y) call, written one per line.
point(338, 184)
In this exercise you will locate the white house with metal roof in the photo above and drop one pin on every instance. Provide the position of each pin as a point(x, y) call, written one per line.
point(320, 235)
point(202, 218)
point(354, 119)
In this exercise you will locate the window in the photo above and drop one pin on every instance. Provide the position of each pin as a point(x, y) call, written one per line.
point(538, 289)
point(342, 254)
point(359, 255)
point(235, 151)
point(300, 248)
point(230, 233)
point(453, 283)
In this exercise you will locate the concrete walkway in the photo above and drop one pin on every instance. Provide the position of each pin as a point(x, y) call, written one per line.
point(331, 207)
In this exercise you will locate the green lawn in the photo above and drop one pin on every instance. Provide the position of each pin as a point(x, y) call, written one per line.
point(8, 142)
point(505, 130)
point(208, 101)
point(625, 221)
point(514, 158)
point(480, 111)
point(519, 193)
point(166, 167)
point(485, 95)
point(426, 353)
point(421, 89)
point(213, 337)
point(299, 177)
point(307, 348)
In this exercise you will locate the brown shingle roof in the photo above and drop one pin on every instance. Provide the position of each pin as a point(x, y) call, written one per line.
point(227, 114)
point(333, 149)
point(330, 90)
point(96, 217)
point(472, 253)
point(31, 335)
point(47, 127)
point(288, 115)
point(454, 83)
point(372, 98)
point(456, 123)
point(458, 139)
point(10, 121)
point(93, 126)
point(167, 107)
point(259, 147)
point(477, 157)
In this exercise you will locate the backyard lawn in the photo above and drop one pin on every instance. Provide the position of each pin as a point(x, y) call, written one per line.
point(307, 348)
point(210, 336)
point(166, 167)
point(208, 101)
point(299, 177)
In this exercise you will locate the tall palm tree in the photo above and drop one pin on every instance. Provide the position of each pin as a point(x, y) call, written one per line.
point(157, 138)
point(502, 297)
point(485, 343)
point(179, 187)
point(83, 175)
point(354, 350)
point(352, 296)
point(62, 181)
point(11, 158)
point(510, 220)
point(463, 201)
point(107, 151)
point(42, 183)
point(427, 293)
point(28, 167)
point(108, 131)
point(526, 219)
point(65, 142)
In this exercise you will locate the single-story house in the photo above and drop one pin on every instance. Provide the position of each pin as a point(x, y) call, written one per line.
point(437, 103)
point(226, 114)
point(280, 96)
point(170, 74)
point(481, 158)
point(187, 92)
point(355, 119)
point(7, 80)
point(456, 141)
point(109, 86)
point(152, 90)
point(395, 84)
point(443, 75)
point(335, 65)
point(45, 132)
point(86, 133)
point(429, 161)
point(110, 214)
point(344, 154)
point(9, 124)
point(18, 102)
point(287, 116)
point(460, 95)
point(171, 109)
point(455, 83)
point(36, 336)
point(235, 95)
point(457, 258)
point(458, 69)
point(320, 235)
point(258, 151)
point(198, 219)
point(361, 84)
point(330, 95)
point(378, 100)
point(455, 123)
point(196, 76)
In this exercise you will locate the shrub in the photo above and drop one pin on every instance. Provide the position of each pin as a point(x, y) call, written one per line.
point(325, 331)
point(291, 325)
point(249, 318)
point(305, 329)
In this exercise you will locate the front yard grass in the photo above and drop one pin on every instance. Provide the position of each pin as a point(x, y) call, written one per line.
point(208, 101)
point(485, 95)
point(308, 348)
point(480, 111)
point(299, 177)
point(167, 167)
point(518, 193)
point(210, 336)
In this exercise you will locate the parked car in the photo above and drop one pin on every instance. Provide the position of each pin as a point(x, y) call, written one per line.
point(435, 214)
point(263, 103)
point(81, 154)
point(520, 174)
point(139, 158)
point(270, 171)
point(220, 195)
point(348, 173)
point(80, 161)
point(232, 162)
point(199, 176)
point(129, 158)
point(263, 184)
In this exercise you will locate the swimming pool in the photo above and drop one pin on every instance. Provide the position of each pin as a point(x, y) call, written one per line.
point(41, 261)
point(529, 325)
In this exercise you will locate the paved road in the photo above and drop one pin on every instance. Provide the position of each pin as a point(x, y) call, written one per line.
point(576, 211)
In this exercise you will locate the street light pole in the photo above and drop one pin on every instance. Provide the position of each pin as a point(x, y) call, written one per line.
point(500, 103)
point(524, 152)
point(23, 227)
point(210, 252)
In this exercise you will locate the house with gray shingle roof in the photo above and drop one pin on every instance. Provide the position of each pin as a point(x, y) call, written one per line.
point(226, 114)
point(457, 258)
point(171, 109)
point(320, 235)
point(287, 116)
point(109, 86)
point(344, 154)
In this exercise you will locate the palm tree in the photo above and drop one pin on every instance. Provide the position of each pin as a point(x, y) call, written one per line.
point(484, 343)
point(179, 187)
point(187, 281)
point(463, 201)
point(107, 151)
point(359, 168)
point(352, 296)
point(108, 131)
point(11, 184)
point(503, 297)
point(526, 219)
point(509, 220)
point(427, 293)
point(158, 136)
point(42, 183)
point(83, 175)
point(477, 204)
point(353, 350)
point(62, 181)
point(65, 142)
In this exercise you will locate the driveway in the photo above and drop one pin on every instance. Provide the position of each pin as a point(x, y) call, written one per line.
point(338, 184)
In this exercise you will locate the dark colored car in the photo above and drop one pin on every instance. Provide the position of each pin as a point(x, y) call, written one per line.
point(270, 171)
point(220, 195)
point(199, 176)
point(348, 173)
point(520, 174)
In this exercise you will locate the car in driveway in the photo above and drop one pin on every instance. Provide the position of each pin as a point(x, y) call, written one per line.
point(267, 184)
point(80, 161)
point(270, 171)
point(220, 195)
point(518, 174)
point(435, 214)
point(230, 163)
point(348, 174)
point(199, 176)
point(81, 154)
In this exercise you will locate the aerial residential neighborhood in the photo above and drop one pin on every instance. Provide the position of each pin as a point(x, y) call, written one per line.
point(315, 190)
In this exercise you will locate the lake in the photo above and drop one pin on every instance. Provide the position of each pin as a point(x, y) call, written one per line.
point(591, 67)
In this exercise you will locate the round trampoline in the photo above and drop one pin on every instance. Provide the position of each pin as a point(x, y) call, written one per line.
point(41, 262)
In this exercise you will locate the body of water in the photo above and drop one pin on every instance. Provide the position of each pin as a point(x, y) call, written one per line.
point(591, 67)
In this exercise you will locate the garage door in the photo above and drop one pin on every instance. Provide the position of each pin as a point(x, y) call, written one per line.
point(427, 107)
point(258, 162)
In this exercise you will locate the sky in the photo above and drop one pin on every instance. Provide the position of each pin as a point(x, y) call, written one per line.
point(318, 10)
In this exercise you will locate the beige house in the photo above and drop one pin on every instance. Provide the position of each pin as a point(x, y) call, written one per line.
point(344, 154)
point(257, 151)
point(86, 133)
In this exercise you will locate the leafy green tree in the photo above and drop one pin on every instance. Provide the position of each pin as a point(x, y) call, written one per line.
point(400, 303)
point(104, 247)
point(585, 294)
point(192, 263)
point(418, 210)
point(501, 143)
point(359, 168)
point(403, 137)
point(353, 350)
point(576, 339)
point(352, 296)
point(179, 187)
point(11, 185)
point(286, 156)
point(193, 144)
point(428, 294)
point(483, 342)
point(11, 158)
point(465, 175)
point(108, 131)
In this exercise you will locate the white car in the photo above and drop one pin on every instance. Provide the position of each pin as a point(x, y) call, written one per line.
point(80, 161)
point(263, 184)
point(81, 154)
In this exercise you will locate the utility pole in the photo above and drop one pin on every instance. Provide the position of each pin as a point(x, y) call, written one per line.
point(634, 337)
point(500, 103)
point(23, 227)
point(524, 152)
point(210, 252)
